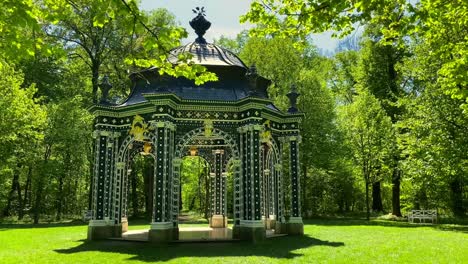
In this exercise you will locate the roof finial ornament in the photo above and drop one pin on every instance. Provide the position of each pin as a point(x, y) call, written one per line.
point(200, 24)
point(252, 77)
point(105, 86)
point(292, 95)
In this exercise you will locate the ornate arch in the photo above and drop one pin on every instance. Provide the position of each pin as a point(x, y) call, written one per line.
point(120, 180)
point(198, 131)
point(233, 158)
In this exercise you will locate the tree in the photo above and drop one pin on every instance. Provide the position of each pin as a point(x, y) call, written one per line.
point(432, 137)
point(90, 24)
point(442, 24)
point(235, 45)
point(378, 73)
point(23, 121)
point(367, 131)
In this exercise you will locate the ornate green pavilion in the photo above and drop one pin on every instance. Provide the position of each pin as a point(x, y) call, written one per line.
point(231, 123)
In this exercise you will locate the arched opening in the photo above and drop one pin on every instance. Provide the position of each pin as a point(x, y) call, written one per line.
point(194, 205)
point(207, 181)
point(133, 185)
point(140, 189)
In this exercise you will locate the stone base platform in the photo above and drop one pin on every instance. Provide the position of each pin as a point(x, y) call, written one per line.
point(192, 234)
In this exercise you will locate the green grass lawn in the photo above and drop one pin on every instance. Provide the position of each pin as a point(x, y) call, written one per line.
point(326, 241)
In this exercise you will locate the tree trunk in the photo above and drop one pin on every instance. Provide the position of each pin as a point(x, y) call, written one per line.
point(59, 200)
point(60, 192)
point(367, 201)
point(11, 194)
point(40, 185)
point(456, 188)
point(192, 203)
point(377, 197)
point(95, 79)
point(396, 192)
point(27, 193)
point(20, 199)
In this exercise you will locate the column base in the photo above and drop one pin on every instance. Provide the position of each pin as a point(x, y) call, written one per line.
point(295, 226)
point(270, 224)
point(218, 221)
point(101, 229)
point(236, 231)
point(124, 225)
point(253, 231)
point(281, 228)
point(163, 232)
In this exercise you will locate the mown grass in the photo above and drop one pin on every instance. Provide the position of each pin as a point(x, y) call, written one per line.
point(326, 241)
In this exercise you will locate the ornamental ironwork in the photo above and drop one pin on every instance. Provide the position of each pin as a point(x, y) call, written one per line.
point(231, 123)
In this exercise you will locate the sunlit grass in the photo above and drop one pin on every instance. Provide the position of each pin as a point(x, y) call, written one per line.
point(326, 241)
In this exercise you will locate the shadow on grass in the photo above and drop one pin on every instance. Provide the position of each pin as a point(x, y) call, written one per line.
point(385, 223)
point(282, 248)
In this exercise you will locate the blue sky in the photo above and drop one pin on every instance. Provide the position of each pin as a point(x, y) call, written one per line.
point(224, 18)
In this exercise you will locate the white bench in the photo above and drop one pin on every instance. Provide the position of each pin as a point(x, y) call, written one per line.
point(422, 215)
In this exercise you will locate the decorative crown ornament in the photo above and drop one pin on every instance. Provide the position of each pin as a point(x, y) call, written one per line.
point(200, 24)
point(292, 95)
point(105, 86)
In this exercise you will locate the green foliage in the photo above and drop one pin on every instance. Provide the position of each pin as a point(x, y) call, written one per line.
point(235, 45)
point(441, 24)
point(434, 143)
point(195, 184)
point(443, 27)
point(368, 134)
point(22, 117)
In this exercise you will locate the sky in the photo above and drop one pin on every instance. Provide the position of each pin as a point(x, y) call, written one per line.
point(224, 17)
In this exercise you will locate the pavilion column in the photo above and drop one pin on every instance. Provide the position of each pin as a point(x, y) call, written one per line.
point(278, 197)
point(238, 199)
point(218, 218)
point(251, 225)
point(295, 224)
point(104, 224)
point(163, 226)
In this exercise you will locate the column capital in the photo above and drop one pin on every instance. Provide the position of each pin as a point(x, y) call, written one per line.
point(278, 167)
point(166, 124)
point(250, 127)
point(257, 127)
point(218, 151)
point(120, 165)
point(176, 162)
point(103, 133)
point(236, 162)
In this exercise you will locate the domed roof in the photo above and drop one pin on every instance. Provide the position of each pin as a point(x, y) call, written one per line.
point(205, 53)
point(235, 81)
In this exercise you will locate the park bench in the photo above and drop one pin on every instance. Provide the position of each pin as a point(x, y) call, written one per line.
point(422, 215)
